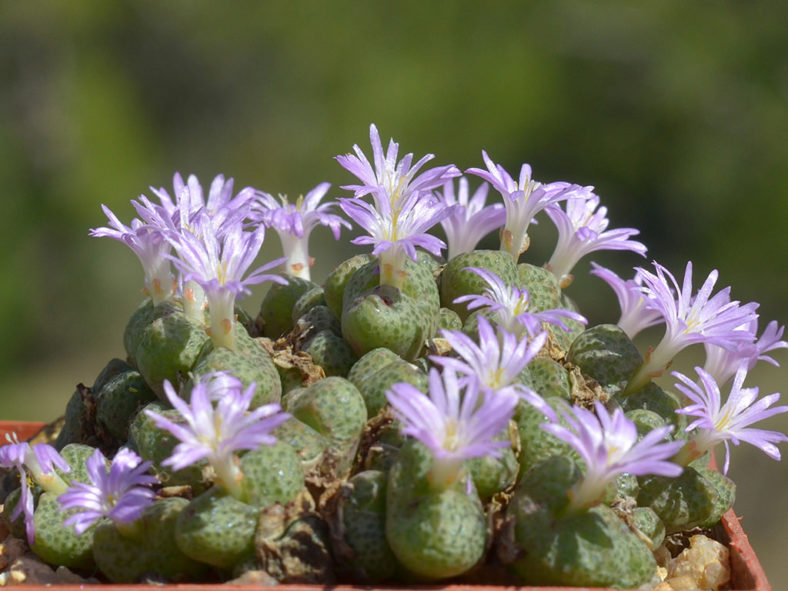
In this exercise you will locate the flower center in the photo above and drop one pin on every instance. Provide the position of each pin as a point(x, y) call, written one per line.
point(451, 439)
point(495, 378)
point(521, 304)
point(724, 421)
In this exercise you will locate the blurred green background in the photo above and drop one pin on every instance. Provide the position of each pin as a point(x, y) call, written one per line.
point(676, 111)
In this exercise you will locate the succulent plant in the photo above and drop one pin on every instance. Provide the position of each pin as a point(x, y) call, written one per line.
point(441, 418)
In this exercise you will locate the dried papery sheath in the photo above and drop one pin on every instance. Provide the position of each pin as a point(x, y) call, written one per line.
point(720, 422)
point(609, 446)
point(582, 229)
point(294, 222)
point(471, 220)
point(689, 319)
point(456, 421)
point(120, 493)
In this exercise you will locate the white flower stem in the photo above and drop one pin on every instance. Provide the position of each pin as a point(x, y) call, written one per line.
point(160, 284)
point(515, 241)
point(194, 302)
point(691, 451)
point(222, 332)
point(50, 482)
point(229, 477)
point(221, 311)
point(657, 361)
point(443, 473)
point(392, 267)
point(586, 493)
point(296, 250)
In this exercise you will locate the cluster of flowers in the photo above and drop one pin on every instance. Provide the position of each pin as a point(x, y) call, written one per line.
point(472, 395)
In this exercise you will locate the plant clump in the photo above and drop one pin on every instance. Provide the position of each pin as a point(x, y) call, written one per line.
point(415, 418)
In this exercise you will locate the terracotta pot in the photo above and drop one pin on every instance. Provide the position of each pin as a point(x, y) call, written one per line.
point(746, 572)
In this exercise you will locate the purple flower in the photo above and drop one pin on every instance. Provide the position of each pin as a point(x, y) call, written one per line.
point(218, 265)
point(151, 249)
point(510, 305)
point(218, 383)
point(581, 230)
point(769, 341)
point(217, 432)
point(717, 422)
point(471, 220)
point(175, 218)
point(689, 319)
point(121, 494)
point(395, 234)
point(636, 310)
point(496, 362)
point(294, 223)
point(36, 463)
point(523, 199)
point(722, 363)
point(179, 214)
point(391, 181)
point(609, 446)
point(453, 425)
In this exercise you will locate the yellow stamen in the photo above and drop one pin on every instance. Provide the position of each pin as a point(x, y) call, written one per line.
point(450, 438)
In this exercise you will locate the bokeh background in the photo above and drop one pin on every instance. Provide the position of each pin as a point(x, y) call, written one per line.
point(676, 111)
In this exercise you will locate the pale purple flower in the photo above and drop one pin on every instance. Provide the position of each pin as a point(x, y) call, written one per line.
point(176, 217)
point(218, 265)
point(36, 463)
point(455, 425)
point(729, 421)
point(150, 247)
point(395, 234)
point(222, 208)
point(217, 432)
point(12, 455)
point(637, 313)
point(388, 180)
point(689, 319)
point(218, 383)
point(121, 493)
point(496, 361)
point(294, 223)
point(523, 199)
point(582, 229)
point(608, 445)
point(471, 220)
point(769, 341)
point(722, 363)
point(510, 305)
